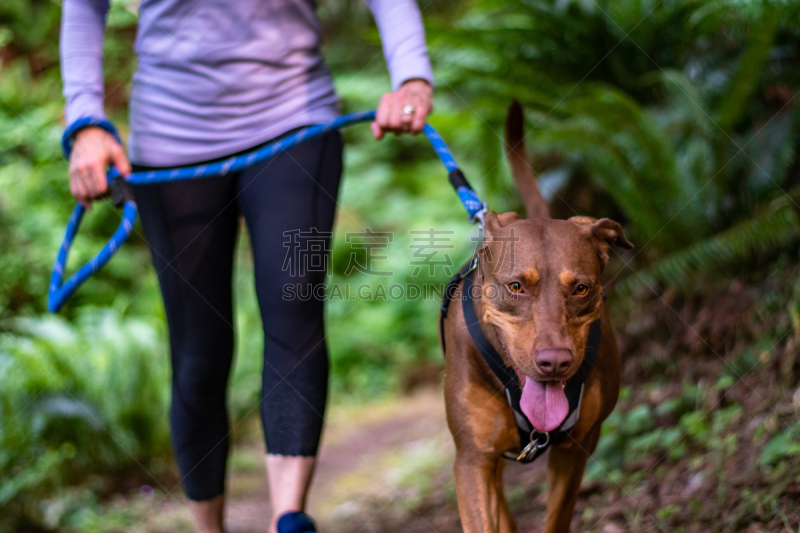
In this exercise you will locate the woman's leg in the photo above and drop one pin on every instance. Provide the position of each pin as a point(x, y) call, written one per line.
point(191, 229)
point(289, 204)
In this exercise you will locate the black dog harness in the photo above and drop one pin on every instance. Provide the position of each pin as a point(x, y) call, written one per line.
point(532, 441)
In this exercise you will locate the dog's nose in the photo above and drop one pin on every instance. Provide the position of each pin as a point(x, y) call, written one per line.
point(553, 361)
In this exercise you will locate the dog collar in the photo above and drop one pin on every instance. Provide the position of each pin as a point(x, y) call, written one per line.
point(533, 442)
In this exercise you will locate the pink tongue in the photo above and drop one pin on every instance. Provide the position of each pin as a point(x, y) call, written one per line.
point(545, 404)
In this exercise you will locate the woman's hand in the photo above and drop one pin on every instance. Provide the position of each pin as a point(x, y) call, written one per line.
point(404, 111)
point(94, 150)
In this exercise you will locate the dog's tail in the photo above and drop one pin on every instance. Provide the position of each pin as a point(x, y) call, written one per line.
point(535, 205)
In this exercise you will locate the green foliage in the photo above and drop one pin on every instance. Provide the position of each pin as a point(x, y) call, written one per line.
point(674, 429)
point(674, 117)
point(667, 111)
point(762, 236)
point(783, 445)
point(30, 28)
point(80, 397)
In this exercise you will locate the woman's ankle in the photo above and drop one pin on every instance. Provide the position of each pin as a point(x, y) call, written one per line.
point(289, 480)
point(208, 514)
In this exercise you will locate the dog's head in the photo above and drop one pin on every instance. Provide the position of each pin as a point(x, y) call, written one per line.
point(541, 292)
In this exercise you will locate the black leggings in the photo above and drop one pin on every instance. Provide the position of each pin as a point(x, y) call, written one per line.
point(191, 228)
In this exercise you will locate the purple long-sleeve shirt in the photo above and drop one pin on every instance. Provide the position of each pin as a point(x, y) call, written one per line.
point(218, 76)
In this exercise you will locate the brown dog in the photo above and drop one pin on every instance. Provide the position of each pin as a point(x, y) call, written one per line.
point(537, 291)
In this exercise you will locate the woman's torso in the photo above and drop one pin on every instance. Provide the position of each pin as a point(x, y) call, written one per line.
point(216, 76)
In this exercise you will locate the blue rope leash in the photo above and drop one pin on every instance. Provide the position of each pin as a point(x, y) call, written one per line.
point(60, 292)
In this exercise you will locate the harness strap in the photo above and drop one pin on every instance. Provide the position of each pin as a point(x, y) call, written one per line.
point(449, 292)
point(506, 375)
point(533, 442)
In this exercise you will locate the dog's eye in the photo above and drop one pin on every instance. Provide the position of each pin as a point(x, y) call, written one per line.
point(581, 290)
point(515, 287)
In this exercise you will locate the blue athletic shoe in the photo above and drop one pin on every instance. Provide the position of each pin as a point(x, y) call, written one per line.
point(296, 522)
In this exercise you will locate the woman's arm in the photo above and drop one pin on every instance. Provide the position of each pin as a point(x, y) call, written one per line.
point(82, 32)
point(403, 38)
point(83, 24)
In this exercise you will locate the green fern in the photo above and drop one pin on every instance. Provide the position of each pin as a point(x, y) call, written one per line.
point(78, 399)
point(767, 233)
point(625, 153)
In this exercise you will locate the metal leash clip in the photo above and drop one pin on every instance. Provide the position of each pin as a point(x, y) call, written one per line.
point(534, 444)
point(472, 266)
point(479, 216)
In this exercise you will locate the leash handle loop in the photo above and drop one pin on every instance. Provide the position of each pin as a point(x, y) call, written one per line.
point(68, 138)
point(59, 293)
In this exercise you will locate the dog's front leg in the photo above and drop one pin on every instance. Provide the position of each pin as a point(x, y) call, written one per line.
point(479, 487)
point(565, 468)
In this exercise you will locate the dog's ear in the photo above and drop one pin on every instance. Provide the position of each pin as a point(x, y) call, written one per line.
point(496, 221)
point(494, 224)
point(604, 233)
point(493, 230)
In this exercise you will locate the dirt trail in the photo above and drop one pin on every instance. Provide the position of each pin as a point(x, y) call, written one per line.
point(384, 467)
point(369, 454)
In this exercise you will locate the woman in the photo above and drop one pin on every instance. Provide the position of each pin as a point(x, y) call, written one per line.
point(216, 78)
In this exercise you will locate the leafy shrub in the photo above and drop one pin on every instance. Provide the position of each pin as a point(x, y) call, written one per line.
point(77, 399)
point(669, 116)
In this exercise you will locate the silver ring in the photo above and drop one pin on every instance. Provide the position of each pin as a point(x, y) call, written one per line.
point(409, 110)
